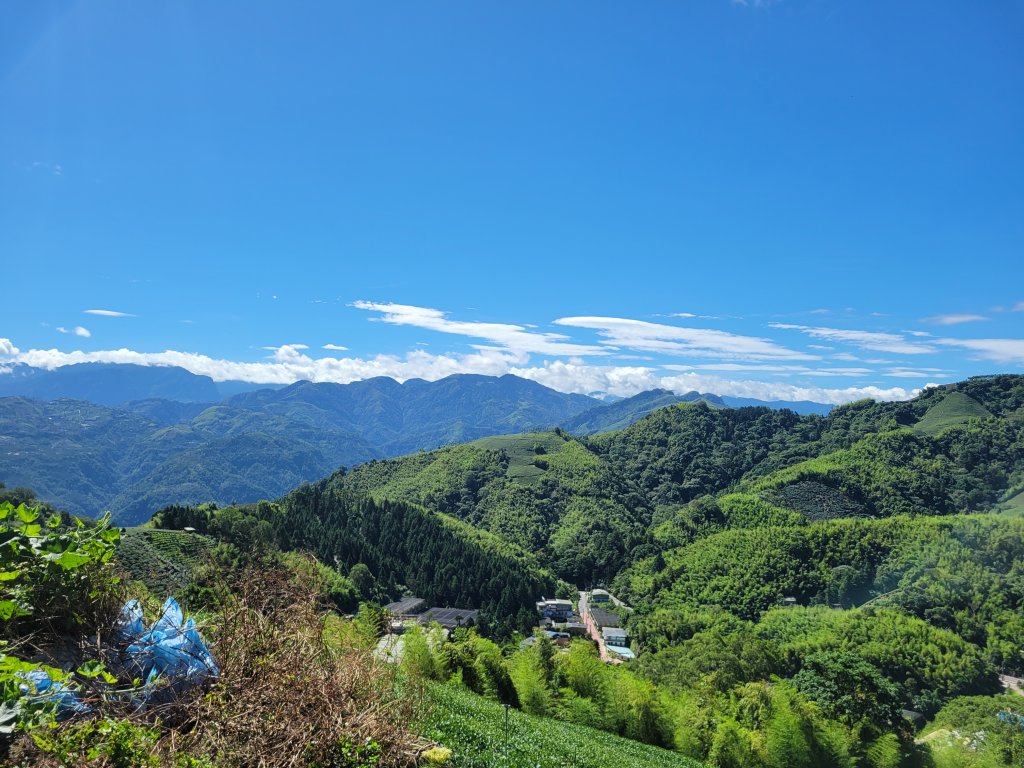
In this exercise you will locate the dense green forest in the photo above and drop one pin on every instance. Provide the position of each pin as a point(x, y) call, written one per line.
point(389, 547)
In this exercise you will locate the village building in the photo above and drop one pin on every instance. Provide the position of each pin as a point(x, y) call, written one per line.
point(556, 610)
point(406, 607)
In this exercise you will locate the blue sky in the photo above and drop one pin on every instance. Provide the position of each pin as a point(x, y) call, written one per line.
point(785, 199)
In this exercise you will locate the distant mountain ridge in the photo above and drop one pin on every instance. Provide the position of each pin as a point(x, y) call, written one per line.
point(114, 384)
point(404, 417)
point(621, 413)
point(153, 436)
point(88, 458)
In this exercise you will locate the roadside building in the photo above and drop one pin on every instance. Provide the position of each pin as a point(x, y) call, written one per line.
point(449, 618)
point(407, 607)
point(603, 618)
point(556, 610)
point(615, 636)
point(600, 596)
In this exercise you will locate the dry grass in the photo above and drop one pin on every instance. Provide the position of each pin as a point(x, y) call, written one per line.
point(284, 698)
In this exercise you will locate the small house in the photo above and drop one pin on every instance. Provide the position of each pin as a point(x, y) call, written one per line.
point(615, 636)
point(600, 596)
point(556, 610)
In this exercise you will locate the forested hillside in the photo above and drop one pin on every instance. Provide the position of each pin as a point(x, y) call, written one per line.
point(395, 545)
point(88, 458)
point(590, 505)
point(776, 560)
point(147, 453)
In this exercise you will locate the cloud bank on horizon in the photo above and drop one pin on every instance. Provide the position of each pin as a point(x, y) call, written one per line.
point(620, 356)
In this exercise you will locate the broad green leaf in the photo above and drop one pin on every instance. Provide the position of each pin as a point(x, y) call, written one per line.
point(9, 575)
point(53, 521)
point(111, 535)
point(27, 515)
point(8, 608)
point(70, 560)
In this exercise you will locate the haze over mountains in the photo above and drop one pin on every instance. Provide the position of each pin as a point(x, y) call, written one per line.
point(130, 439)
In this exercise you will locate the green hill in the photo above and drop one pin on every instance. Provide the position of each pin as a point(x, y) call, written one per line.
point(620, 414)
point(954, 409)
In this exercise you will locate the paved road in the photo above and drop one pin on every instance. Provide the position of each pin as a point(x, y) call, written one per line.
point(595, 633)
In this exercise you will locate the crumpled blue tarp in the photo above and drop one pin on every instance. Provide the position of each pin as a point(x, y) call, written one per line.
point(1012, 718)
point(171, 650)
point(171, 653)
point(39, 684)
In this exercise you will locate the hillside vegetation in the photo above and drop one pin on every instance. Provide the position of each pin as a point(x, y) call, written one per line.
point(141, 455)
point(880, 523)
point(796, 582)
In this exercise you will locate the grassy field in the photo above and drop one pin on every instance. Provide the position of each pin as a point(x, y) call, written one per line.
point(525, 452)
point(474, 729)
point(954, 409)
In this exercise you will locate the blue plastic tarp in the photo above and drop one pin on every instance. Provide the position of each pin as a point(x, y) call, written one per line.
point(171, 650)
point(40, 685)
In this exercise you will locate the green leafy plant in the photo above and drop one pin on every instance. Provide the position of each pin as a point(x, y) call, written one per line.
point(51, 573)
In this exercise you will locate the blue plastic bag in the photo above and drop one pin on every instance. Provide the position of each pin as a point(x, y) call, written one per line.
point(39, 684)
point(171, 653)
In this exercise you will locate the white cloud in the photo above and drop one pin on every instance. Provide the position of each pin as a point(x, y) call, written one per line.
point(1018, 307)
point(77, 331)
point(629, 381)
point(511, 338)
point(672, 339)
point(682, 314)
point(286, 346)
point(903, 373)
point(953, 319)
point(107, 313)
point(845, 357)
point(997, 350)
point(335, 347)
point(739, 367)
point(289, 364)
point(880, 342)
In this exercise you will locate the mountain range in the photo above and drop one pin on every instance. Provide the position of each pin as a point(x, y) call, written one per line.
point(130, 439)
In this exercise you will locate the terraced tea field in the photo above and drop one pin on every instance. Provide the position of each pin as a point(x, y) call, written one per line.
point(525, 453)
point(162, 560)
point(474, 729)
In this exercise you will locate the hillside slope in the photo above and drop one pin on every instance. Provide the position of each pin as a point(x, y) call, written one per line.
point(152, 452)
point(88, 459)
